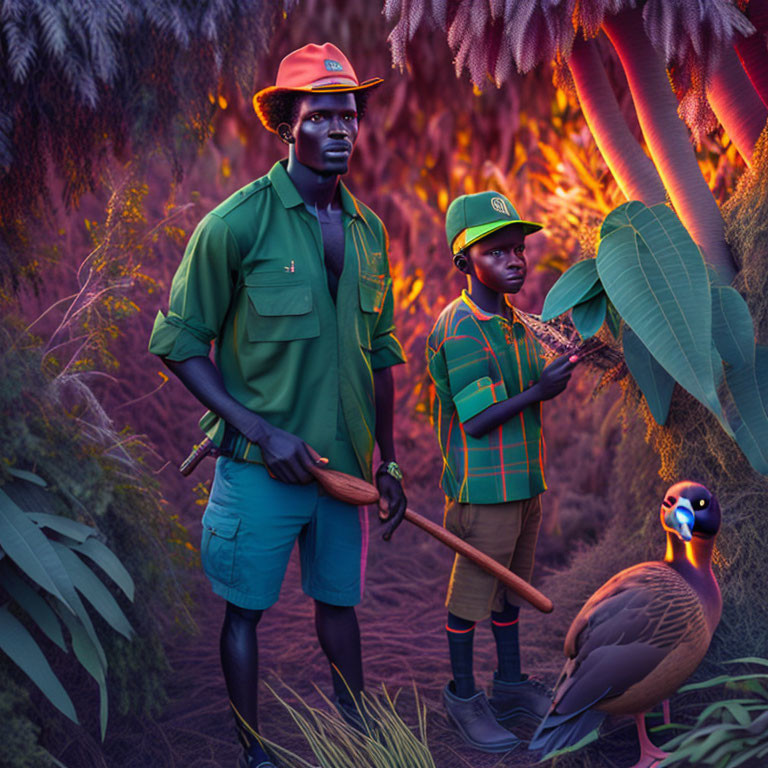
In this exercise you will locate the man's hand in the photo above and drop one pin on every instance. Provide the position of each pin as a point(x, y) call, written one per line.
point(392, 503)
point(554, 378)
point(286, 456)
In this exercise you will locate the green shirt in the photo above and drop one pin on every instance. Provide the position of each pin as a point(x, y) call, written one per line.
point(253, 279)
point(476, 359)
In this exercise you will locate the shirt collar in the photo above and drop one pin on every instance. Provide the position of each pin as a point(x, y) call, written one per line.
point(289, 196)
point(481, 314)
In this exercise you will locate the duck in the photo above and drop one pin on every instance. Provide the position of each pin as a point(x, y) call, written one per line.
point(643, 633)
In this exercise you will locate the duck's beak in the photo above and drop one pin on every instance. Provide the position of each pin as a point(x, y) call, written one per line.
point(681, 519)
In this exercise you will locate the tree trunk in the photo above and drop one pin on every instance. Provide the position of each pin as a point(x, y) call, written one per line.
point(753, 50)
point(737, 106)
point(667, 138)
point(631, 167)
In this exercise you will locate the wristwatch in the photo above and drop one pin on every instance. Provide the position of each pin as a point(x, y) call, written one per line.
point(393, 469)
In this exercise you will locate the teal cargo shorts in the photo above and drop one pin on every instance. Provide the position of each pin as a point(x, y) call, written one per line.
point(251, 524)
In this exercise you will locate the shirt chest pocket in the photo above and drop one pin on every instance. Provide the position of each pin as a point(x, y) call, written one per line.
point(280, 308)
point(373, 290)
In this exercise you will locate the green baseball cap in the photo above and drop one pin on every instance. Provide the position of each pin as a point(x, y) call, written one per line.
point(471, 217)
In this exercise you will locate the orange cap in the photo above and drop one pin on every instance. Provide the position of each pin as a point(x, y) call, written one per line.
point(312, 69)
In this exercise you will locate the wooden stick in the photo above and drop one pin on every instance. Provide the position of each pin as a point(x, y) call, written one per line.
point(504, 575)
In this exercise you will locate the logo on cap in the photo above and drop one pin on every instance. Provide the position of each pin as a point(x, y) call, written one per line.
point(500, 204)
point(333, 66)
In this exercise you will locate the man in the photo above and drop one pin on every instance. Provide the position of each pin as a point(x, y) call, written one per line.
point(290, 276)
point(490, 383)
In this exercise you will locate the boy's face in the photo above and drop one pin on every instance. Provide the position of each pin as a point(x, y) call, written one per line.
point(498, 260)
point(325, 131)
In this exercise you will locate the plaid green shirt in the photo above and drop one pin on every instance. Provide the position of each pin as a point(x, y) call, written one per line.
point(253, 280)
point(476, 359)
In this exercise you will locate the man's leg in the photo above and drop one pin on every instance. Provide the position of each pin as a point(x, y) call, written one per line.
point(240, 663)
point(339, 636)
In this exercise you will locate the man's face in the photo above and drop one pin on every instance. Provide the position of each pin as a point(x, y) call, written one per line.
point(325, 131)
point(498, 260)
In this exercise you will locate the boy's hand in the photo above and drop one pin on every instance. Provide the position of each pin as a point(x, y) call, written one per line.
point(554, 378)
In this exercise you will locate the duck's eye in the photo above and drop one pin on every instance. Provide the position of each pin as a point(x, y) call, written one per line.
point(701, 503)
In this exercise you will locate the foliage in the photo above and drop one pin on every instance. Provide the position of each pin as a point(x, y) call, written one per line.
point(97, 485)
point(58, 574)
point(729, 732)
point(387, 742)
point(80, 81)
point(681, 325)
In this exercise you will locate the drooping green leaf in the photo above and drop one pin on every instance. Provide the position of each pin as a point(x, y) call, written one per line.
point(29, 548)
point(732, 328)
point(32, 602)
point(91, 658)
point(30, 477)
point(22, 649)
point(620, 217)
point(65, 526)
point(104, 557)
point(654, 382)
point(570, 289)
point(748, 385)
point(749, 660)
point(655, 276)
point(589, 315)
point(93, 590)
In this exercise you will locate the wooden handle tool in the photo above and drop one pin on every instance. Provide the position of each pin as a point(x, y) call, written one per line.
point(355, 491)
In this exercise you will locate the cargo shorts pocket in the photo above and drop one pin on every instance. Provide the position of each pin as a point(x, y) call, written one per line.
point(218, 545)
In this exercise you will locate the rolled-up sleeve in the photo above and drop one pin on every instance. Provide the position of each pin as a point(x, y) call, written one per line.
point(201, 292)
point(473, 380)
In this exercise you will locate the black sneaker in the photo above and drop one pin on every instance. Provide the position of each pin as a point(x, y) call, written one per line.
point(526, 698)
point(475, 721)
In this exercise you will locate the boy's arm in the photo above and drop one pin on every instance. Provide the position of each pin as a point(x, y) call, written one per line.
point(554, 379)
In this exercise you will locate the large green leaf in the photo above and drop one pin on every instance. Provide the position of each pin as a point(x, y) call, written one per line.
point(21, 647)
point(104, 557)
point(732, 327)
point(620, 217)
point(32, 602)
point(570, 288)
point(93, 590)
point(65, 526)
point(589, 315)
point(748, 385)
point(655, 276)
point(90, 657)
point(31, 477)
point(29, 548)
point(654, 382)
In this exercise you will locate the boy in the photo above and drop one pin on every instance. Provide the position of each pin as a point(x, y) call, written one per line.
point(490, 382)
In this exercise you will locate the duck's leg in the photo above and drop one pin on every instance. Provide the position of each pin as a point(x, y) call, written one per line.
point(665, 710)
point(650, 754)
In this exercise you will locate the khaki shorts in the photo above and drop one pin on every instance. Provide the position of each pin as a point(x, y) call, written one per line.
point(506, 532)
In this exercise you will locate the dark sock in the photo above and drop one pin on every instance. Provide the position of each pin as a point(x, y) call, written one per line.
point(504, 625)
point(339, 636)
point(240, 664)
point(461, 633)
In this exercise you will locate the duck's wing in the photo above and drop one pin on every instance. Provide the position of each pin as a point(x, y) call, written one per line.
point(623, 632)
